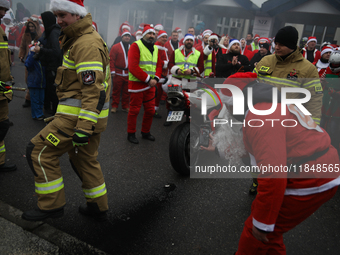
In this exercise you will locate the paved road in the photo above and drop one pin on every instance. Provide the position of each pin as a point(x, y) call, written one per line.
point(200, 216)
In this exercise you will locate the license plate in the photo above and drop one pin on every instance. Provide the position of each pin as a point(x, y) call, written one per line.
point(175, 116)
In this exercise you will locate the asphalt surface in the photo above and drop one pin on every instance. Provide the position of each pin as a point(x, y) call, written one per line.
point(146, 216)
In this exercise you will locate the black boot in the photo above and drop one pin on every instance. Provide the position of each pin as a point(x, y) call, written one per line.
point(92, 210)
point(38, 215)
point(7, 167)
point(27, 103)
point(148, 136)
point(132, 138)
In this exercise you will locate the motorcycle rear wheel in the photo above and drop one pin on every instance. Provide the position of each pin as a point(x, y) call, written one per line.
point(183, 148)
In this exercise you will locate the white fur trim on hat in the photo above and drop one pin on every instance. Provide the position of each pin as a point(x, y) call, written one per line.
point(126, 27)
point(159, 27)
point(5, 4)
point(7, 16)
point(68, 6)
point(188, 37)
point(126, 33)
point(233, 42)
point(312, 40)
point(160, 35)
point(213, 37)
point(326, 49)
point(148, 31)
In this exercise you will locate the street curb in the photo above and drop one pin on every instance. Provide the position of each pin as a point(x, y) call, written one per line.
point(67, 244)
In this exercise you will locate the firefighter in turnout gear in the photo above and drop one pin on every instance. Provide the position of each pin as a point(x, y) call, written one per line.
point(83, 88)
point(5, 90)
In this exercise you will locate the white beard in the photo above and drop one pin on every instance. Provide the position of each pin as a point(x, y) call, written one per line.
point(138, 37)
point(229, 140)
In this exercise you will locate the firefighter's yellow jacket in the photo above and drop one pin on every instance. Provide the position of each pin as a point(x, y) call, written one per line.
point(5, 65)
point(294, 71)
point(83, 81)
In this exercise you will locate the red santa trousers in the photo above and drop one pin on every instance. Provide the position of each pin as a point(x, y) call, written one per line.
point(120, 86)
point(145, 98)
point(159, 94)
point(294, 210)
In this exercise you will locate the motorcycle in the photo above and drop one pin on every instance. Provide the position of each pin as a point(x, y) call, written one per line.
point(186, 139)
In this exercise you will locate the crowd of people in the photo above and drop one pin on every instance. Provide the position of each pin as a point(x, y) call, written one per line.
point(69, 73)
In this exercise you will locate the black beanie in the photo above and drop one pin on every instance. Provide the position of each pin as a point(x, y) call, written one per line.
point(288, 36)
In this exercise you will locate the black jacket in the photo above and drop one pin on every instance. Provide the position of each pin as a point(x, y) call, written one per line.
point(224, 67)
point(257, 57)
point(50, 54)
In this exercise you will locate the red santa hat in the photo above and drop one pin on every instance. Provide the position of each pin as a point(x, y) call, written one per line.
point(126, 32)
point(256, 37)
point(312, 39)
point(326, 49)
point(71, 6)
point(239, 80)
point(178, 29)
point(126, 27)
point(207, 32)
point(94, 25)
point(214, 36)
point(138, 32)
point(147, 29)
point(141, 26)
point(159, 27)
point(161, 33)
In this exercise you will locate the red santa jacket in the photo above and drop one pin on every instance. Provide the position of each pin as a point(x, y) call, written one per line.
point(119, 60)
point(248, 53)
point(274, 146)
point(317, 55)
point(170, 47)
point(135, 70)
point(200, 63)
point(163, 53)
point(13, 35)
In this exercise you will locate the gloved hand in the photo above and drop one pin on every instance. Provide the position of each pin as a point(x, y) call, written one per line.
point(4, 87)
point(80, 139)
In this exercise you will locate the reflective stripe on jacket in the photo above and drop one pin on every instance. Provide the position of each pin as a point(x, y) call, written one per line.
point(186, 62)
point(147, 62)
point(294, 71)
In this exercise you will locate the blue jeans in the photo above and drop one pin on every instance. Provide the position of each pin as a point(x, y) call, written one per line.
point(37, 102)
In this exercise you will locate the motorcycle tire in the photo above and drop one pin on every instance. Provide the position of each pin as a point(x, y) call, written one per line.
point(179, 149)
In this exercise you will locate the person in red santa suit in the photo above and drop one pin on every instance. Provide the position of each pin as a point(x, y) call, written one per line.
point(163, 53)
point(284, 199)
point(310, 52)
point(12, 33)
point(158, 27)
point(323, 62)
point(138, 34)
point(143, 77)
point(120, 72)
point(244, 49)
point(124, 26)
point(173, 43)
point(197, 42)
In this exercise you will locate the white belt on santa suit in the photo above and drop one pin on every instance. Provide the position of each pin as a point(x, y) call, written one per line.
point(186, 83)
